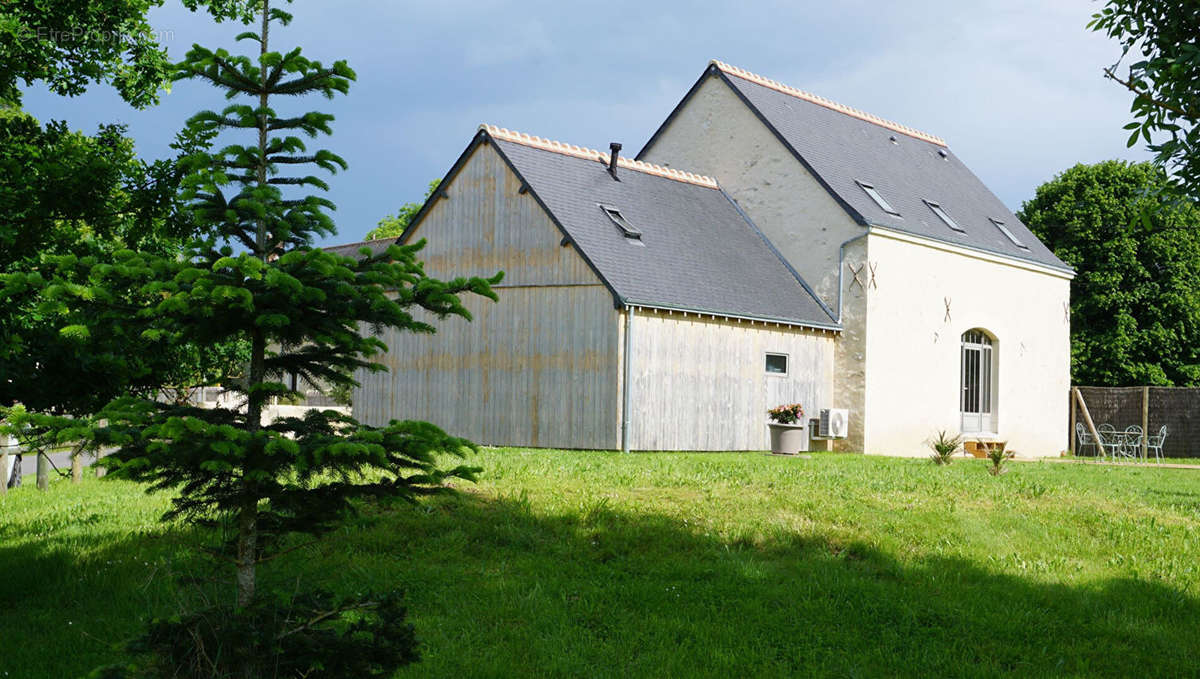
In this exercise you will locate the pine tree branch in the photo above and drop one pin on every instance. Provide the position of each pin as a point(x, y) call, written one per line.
point(276, 555)
point(318, 619)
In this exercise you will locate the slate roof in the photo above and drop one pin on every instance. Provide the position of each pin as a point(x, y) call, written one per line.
point(351, 249)
point(843, 146)
point(698, 251)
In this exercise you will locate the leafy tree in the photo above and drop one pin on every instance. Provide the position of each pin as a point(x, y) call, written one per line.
point(251, 274)
point(1163, 41)
point(1135, 300)
point(64, 192)
point(392, 226)
point(69, 44)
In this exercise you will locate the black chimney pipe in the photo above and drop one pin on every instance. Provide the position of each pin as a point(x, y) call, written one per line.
point(614, 153)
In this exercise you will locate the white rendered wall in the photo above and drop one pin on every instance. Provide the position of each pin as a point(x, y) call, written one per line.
point(913, 347)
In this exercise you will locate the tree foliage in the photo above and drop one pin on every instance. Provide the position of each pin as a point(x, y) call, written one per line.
point(70, 44)
point(67, 193)
point(1162, 42)
point(251, 274)
point(1135, 300)
point(64, 192)
point(392, 226)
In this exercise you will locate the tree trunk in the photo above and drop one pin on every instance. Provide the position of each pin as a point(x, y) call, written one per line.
point(248, 515)
point(5, 473)
point(247, 544)
point(43, 471)
point(247, 553)
point(77, 465)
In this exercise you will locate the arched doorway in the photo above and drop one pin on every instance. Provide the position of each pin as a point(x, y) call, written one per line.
point(978, 382)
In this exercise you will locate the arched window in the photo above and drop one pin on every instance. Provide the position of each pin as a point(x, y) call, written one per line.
point(978, 382)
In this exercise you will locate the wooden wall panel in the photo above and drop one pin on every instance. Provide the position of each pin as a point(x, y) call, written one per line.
point(536, 369)
point(485, 225)
point(700, 383)
point(539, 368)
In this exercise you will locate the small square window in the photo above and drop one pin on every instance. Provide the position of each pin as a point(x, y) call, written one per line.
point(623, 224)
point(875, 196)
point(937, 210)
point(1011, 236)
point(777, 364)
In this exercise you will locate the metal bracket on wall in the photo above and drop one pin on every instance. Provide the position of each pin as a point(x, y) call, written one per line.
point(1066, 312)
point(872, 267)
point(947, 300)
point(856, 273)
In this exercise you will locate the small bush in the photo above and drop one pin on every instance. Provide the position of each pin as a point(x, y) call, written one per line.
point(315, 635)
point(998, 455)
point(944, 446)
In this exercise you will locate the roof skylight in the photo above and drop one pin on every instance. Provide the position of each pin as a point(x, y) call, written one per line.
point(883, 204)
point(937, 210)
point(1011, 236)
point(623, 224)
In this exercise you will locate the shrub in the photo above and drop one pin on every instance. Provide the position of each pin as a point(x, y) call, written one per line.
point(313, 635)
point(998, 455)
point(944, 446)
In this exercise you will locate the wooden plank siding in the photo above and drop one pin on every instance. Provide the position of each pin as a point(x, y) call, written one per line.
point(485, 225)
point(538, 368)
point(700, 383)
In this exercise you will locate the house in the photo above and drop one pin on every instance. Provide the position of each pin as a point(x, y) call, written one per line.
point(765, 246)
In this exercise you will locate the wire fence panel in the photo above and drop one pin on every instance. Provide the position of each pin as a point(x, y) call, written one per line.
point(1176, 407)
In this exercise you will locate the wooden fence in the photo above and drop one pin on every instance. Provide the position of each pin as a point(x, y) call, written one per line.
point(1148, 407)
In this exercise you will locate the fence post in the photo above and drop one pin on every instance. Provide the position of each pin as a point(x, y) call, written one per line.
point(1071, 436)
point(43, 471)
point(1087, 419)
point(1145, 422)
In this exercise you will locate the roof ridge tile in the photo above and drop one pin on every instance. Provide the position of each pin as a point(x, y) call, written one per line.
point(827, 103)
point(599, 156)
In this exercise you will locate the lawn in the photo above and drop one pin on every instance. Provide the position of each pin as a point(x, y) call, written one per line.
point(680, 565)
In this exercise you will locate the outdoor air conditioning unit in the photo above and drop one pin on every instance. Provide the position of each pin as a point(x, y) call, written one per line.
point(835, 422)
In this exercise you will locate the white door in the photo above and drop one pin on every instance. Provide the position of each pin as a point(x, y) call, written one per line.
point(976, 383)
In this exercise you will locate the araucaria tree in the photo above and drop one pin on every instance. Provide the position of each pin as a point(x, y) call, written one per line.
point(253, 275)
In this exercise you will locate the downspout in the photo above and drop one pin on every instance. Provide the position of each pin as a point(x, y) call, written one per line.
point(626, 389)
point(842, 270)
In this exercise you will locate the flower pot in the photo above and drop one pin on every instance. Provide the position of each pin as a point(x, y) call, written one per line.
point(788, 439)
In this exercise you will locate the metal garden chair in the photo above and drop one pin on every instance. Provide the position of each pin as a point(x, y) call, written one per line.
point(1110, 441)
point(1155, 443)
point(1084, 436)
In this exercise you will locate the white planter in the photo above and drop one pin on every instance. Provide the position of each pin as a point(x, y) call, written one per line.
point(788, 439)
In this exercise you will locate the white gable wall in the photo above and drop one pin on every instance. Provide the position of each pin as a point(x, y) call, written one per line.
point(898, 384)
point(913, 359)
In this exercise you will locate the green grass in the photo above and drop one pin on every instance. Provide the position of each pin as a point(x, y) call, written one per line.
point(598, 564)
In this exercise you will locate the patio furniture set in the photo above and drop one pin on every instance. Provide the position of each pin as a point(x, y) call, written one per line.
point(1115, 444)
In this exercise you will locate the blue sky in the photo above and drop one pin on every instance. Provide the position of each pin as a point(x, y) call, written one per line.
point(1014, 86)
